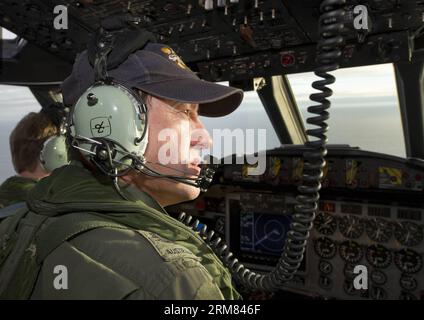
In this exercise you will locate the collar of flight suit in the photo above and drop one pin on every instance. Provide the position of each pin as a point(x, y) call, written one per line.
point(73, 188)
point(15, 189)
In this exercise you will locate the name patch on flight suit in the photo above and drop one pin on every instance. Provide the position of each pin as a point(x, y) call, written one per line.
point(167, 250)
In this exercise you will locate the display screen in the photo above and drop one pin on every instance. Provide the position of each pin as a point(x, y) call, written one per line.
point(259, 224)
point(263, 233)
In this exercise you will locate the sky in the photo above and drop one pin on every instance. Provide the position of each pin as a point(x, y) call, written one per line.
point(371, 81)
point(6, 34)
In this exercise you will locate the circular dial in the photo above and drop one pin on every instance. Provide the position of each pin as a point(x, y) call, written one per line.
point(378, 277)
point(378, 293)
point(325, 267)
point(325, 247)
point(408, 283)
point(379, 230)
point(379, 256)
point(351, 227)
point(325, 282)
point(325, 223)
point(408, 261)
point(349, 288)
point(348, 271)
point(351, 252)
point(407, 296)
point(408, 233)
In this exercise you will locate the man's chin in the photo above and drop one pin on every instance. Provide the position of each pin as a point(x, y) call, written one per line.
point(186, 192)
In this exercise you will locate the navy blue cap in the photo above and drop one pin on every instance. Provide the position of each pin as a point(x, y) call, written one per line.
point(159, 71)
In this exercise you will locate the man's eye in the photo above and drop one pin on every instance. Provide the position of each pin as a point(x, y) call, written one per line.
point(187, 112)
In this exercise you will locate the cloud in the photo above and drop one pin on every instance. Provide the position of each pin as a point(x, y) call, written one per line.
point(369, 81)
point(15, 102)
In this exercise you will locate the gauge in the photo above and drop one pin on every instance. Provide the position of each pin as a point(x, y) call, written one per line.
point(379, 256)
point(408, 261)
point(325, 282)
point(348, 271)
point(378, 293)
point(408, 233)
point(379, 230)
point(325, 267)
point(351, 227)
point(408, 283)
point(407, 296)
point(351, 252)
point(378, 277)
point(325, 223)
point(325, 247)
point(349, 288)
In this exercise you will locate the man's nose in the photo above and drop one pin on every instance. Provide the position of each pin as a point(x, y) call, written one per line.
point(200, 137)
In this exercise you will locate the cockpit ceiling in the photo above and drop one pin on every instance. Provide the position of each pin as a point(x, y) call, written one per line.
point(236, 41)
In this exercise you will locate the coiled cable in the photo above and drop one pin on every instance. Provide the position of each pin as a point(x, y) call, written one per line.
point(328, 52)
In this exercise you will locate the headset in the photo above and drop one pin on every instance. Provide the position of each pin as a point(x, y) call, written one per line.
point(109, 124)
point(54, 153)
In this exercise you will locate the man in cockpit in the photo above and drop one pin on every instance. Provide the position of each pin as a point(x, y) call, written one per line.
point(107, 206)
point(26, 143)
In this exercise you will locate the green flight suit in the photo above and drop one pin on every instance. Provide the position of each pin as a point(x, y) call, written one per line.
point(156, 257)
point(14, 190)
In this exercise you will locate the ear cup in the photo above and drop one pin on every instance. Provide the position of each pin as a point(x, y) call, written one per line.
point(54, 153)
point(109, 121)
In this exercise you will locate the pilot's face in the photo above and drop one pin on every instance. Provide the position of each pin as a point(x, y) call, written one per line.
point(176, 138)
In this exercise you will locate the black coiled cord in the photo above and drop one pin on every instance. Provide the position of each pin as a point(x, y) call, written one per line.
point(329, 51)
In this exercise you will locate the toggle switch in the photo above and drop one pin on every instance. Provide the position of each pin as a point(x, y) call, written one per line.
point(221, 3)
point(208, 4)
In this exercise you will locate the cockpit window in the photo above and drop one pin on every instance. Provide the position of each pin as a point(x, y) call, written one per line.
point(15, 103)
point(6, 34)
point(244, 131)
point(365, 111)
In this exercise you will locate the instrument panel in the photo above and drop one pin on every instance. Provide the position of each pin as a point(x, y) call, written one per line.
point(346, 168)
point(387, 241)
point(229, 39)
point(370, 218)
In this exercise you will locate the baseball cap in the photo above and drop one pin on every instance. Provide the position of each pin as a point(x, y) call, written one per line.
point(159, 71)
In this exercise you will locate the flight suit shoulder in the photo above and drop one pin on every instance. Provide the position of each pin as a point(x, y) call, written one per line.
point(149, 266)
